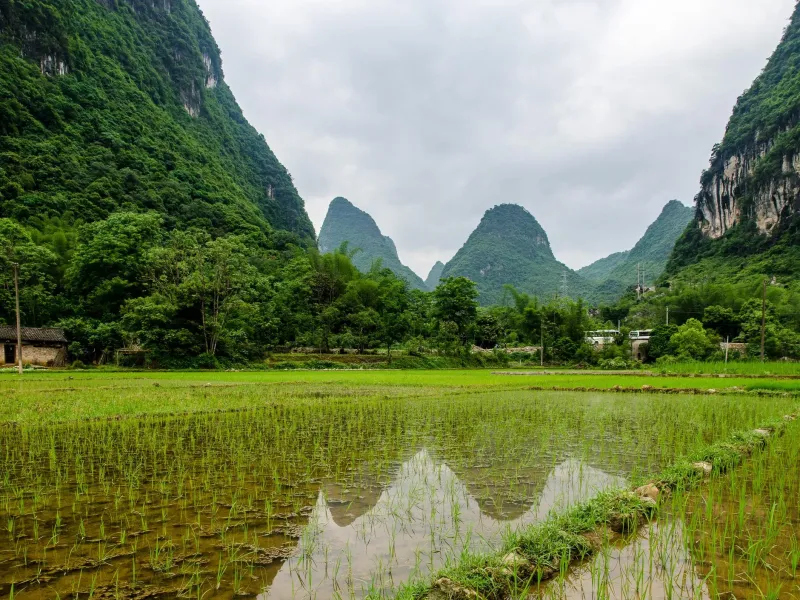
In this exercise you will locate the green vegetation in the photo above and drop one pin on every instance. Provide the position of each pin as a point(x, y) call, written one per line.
point(435, 275)
point(616, 273)
point(369, 478)
point(763, 135)
point(64, 396)
point(527, 557)
point(346, 224)
point(110, 106)
point(733, 536)
point(509, 247)
point(188, 299)
point(728, 311)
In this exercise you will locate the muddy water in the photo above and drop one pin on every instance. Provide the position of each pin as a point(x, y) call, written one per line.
point(426, 514)
point(655, 564)
point(317, 499)
point(736, 537)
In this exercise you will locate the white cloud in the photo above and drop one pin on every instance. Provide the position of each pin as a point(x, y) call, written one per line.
point(425, 113)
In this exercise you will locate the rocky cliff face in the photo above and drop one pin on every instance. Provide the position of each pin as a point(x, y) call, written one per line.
point(754, 174)
point(730, 194)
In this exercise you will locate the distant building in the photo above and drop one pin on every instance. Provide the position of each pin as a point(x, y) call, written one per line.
point(42, 347)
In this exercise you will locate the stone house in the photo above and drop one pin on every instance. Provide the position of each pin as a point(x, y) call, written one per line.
point(42, 347)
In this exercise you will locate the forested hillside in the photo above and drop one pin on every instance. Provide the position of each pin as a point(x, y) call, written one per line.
point(435, 275)
point(617, 273)
point(509, 247)
point(348, 224)
point(746, 224)
point(121, 104)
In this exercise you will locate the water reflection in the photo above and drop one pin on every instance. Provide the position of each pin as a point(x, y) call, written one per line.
point(654, 565)
point(376, 540)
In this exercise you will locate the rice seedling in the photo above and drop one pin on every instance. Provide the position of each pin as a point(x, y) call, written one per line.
point(325, 489)
point(735, 536)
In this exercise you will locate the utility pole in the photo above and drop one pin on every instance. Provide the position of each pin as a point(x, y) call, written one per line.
point(19, 328)
point(763, 319)
point(668, 315)
point(638, 281)
point(727, 345)
point(541, 341)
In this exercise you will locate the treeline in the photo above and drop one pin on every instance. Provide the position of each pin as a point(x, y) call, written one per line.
point(690, 321)
point(188, 299)
point(185, 298)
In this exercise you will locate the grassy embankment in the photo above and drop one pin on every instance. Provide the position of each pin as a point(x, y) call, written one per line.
point(538, 553)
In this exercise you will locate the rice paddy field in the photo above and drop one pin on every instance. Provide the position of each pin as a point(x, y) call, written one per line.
point(352, 484)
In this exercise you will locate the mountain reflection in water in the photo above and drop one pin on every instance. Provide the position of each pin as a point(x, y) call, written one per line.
point(380, 538)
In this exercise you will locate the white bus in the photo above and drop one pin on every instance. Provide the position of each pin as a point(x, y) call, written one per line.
point(641, 334)
point(602, 337)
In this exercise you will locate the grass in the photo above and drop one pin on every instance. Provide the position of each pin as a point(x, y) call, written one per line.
point(733, 536)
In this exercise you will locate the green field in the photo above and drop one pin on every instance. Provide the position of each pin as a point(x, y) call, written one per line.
point(64, 395)
point(325, 484)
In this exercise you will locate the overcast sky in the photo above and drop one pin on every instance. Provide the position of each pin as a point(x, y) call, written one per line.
point(425, 113)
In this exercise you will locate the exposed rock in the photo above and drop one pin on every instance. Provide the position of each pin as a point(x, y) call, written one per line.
point(516, 561)
point(648, 491)
point(455, 591)
point(762, 432)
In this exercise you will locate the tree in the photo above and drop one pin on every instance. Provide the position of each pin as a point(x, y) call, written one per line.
point(488, 330)
point(779, 341)
point(109, 264)
point(455, 301)
point(36, 266)
point(692, 341)
point(392, 307)
point(722, 320)
point(220, 282)
point(660, 343)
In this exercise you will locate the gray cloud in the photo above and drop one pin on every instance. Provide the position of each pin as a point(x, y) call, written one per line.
point(590, 113)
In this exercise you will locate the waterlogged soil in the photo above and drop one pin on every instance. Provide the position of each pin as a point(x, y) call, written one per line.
point(318, 497)
point(736, 537)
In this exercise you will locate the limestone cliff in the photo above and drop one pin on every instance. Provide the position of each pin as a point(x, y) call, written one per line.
point(754, 174)
point(746, 221)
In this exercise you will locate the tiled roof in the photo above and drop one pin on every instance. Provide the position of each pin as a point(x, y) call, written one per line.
point(8, 334)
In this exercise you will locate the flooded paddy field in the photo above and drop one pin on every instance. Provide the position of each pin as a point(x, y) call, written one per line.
point(735, 537)
point(307, 491)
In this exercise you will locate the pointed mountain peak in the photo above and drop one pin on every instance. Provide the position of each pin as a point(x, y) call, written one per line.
point(516, 225)
point(345, 222)
point(435, 275)
point(510, 247)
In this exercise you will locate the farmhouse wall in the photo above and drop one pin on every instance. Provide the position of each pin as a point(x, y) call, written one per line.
point(42, 356)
